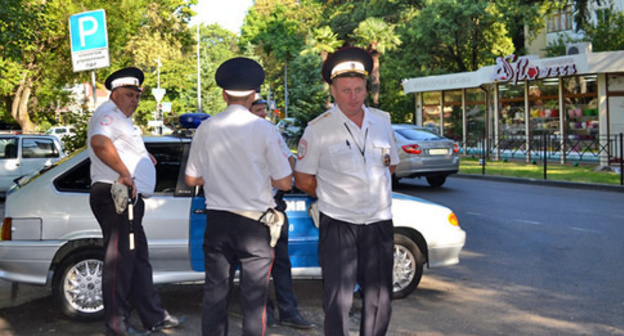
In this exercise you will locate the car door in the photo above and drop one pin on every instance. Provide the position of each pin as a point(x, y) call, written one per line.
point(166, 220)
point(302, 240)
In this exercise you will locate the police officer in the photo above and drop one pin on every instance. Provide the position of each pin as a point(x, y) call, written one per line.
point(118, 155)
point(237, 156)
point(346, 158)
point(281, 271)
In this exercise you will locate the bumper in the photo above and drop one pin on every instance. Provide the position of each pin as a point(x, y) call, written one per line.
point(447, 253)
point(27, 261)
point(413, 168)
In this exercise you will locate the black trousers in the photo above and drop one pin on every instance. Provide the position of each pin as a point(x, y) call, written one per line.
point(362, 254)
point(231, 240)
point(127, 276)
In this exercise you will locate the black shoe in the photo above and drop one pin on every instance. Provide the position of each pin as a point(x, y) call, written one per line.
point(298, 322)
point(270, 320)
point(168, 322)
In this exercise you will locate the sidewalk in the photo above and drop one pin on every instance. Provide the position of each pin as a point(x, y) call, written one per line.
point(552, 183)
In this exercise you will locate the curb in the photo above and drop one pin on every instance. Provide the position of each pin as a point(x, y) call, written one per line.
point(551, 183)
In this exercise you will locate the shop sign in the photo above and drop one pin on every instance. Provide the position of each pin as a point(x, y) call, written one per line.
point(508, 71)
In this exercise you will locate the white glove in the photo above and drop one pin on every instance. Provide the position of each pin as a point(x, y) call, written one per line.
point(274, 220)
point(314, 213)
point(119, 192)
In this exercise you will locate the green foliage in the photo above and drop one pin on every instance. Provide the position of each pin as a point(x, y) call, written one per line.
point(307, 98)
point(376, 35)
point(608, 33)
point(80, 121)
point(36, 57)
point(457, 36)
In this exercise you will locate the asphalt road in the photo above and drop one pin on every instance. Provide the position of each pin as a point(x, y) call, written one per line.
point(539, 260)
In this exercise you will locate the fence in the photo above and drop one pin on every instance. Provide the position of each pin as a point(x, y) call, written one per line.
point(601, 150)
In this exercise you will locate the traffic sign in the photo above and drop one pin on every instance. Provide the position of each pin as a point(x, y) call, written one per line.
point(89, 40)
point(158, 94)
point(166, 106)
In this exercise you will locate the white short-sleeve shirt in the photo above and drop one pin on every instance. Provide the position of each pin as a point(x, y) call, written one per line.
point(351, 164)
point(110, 121)
point(237, 154)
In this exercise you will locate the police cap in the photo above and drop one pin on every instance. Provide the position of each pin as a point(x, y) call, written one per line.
point(129, 77)
point(239, 76)
point(347, 62)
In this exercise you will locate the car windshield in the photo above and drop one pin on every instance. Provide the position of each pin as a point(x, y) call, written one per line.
point(418, 134)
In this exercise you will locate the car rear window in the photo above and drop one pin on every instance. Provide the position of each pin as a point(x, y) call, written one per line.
point(417, 134)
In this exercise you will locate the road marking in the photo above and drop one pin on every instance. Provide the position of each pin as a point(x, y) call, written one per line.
point(475, 213)
point(522, 221)
point(586, 230)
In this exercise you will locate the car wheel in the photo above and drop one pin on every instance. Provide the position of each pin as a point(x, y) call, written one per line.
point(408, 266)
point(77, 286)
point(436, 181)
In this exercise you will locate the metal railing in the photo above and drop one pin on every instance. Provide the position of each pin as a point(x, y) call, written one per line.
point(601, 150)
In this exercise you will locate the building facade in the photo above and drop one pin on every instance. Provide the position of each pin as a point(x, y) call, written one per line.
point(572, 105)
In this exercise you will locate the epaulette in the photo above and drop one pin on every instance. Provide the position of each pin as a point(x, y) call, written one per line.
point(320, 117)
point(379, 112)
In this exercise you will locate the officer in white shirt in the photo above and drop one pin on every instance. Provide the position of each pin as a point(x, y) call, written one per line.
point(236, 156)
point(346, 158)
point(281, 271)
point(118, 154)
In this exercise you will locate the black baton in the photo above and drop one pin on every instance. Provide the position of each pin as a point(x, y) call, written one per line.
point(131, 218)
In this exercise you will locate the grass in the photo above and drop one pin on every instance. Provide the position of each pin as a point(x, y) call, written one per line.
point(554, 172)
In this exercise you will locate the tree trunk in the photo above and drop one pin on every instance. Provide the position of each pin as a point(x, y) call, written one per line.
point(19, 109)
point(375, 78)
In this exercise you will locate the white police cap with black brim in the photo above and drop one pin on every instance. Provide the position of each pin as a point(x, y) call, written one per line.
point(348, 62)
point(126, 77)
point(240, 76)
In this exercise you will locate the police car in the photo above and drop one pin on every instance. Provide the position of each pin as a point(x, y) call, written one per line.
point(50, 237)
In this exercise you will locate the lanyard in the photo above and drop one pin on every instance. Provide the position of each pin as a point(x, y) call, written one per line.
point(361, 149)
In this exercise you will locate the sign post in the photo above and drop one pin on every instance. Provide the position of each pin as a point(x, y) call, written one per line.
point(89, 43)
point(158, 95)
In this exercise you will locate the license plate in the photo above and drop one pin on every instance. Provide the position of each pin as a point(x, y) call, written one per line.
point(438, 151)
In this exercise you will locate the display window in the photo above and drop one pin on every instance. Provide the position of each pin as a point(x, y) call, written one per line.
point(544, 106)
point(511, 110)
point(581, 106)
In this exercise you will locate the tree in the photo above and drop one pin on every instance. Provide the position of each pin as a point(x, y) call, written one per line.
point(308, 97)
point(322, 41)
point(35, 54)
point(377, 37)
point(456, 36)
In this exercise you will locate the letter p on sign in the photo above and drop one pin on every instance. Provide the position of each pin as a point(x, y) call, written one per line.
point(83, 31)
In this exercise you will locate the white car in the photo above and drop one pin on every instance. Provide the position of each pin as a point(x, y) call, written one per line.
point(57, 242)
point(62, 131)
point(287, 128)
point(22, 154)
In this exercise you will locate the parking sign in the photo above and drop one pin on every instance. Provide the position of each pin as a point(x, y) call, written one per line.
point(89, 40)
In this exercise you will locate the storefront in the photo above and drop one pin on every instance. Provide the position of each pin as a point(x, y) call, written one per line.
point(572, 105)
